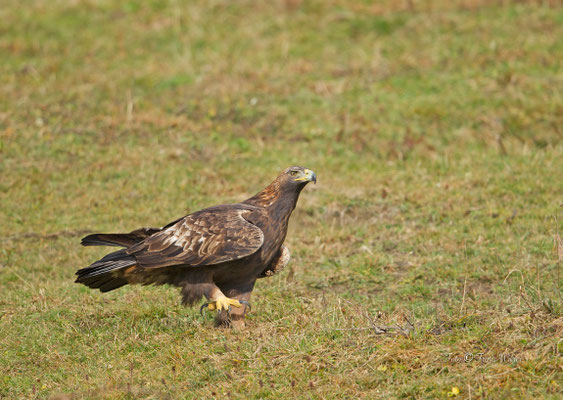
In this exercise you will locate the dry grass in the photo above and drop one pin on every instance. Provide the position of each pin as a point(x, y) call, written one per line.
point(427, 258)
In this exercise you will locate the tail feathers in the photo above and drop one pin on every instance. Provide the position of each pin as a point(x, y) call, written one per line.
point(105, 284)
point(103, 274)
point(118, 239)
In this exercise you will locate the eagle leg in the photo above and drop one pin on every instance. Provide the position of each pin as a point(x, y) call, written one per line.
point(223, 302)
point(234, 317)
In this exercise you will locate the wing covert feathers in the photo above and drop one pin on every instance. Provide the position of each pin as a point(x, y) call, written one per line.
point(211, 236)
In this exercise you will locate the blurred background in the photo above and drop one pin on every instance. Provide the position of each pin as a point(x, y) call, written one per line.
point(434, 128)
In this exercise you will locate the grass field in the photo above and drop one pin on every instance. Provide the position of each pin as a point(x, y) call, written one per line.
point(425, 261)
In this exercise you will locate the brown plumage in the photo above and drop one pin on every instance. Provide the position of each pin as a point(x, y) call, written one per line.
point(218, 252)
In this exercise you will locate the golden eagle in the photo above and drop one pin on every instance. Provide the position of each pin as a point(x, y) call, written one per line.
point(218, 252)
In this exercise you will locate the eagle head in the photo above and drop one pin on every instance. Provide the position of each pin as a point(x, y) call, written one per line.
point(286, 187)
point(298, 176)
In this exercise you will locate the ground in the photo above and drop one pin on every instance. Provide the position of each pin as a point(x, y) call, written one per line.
point(425, 260)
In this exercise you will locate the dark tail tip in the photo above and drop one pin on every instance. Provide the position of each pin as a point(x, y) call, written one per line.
point(96, 239)
point(104, 274)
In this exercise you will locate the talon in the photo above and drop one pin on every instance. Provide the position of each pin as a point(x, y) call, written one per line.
point(202, 307)
point(246, 305)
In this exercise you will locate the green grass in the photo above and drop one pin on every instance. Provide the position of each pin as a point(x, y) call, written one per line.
point(434, 129)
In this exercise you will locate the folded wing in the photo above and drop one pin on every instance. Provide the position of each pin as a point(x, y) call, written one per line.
point(211, 236)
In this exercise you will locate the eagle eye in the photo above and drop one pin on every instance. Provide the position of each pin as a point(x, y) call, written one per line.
point(293, 173)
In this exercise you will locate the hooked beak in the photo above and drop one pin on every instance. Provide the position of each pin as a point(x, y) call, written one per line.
point(308, 176)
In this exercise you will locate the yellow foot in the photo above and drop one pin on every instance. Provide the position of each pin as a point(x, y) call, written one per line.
point(224, 303)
